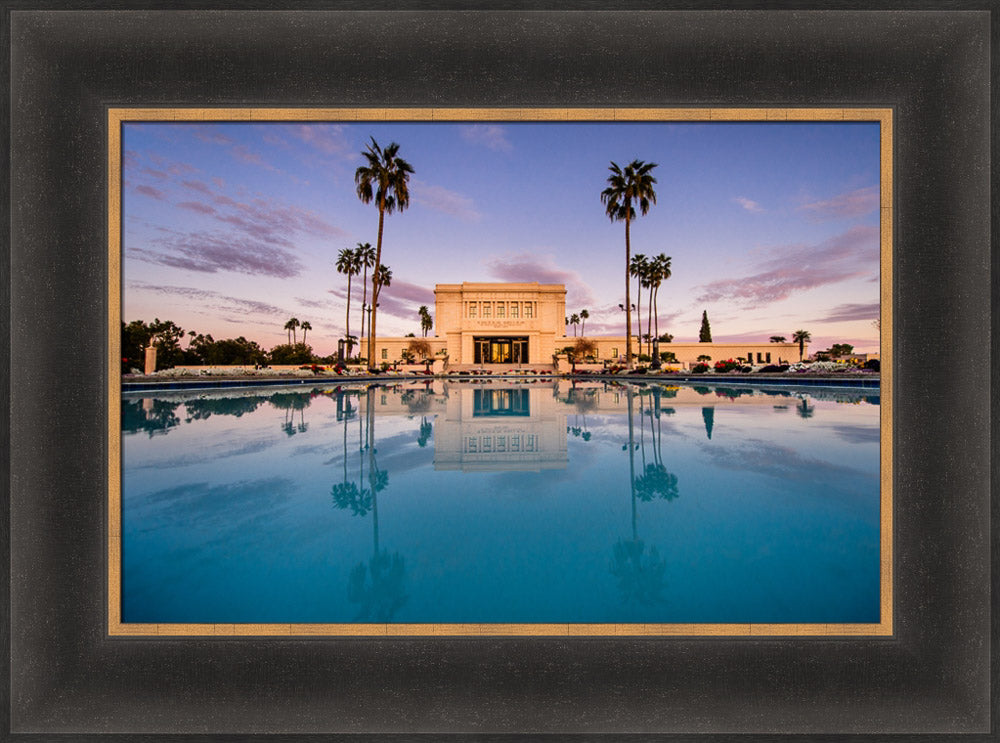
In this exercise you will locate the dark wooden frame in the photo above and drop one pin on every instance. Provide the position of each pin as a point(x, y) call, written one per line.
point(932, 676)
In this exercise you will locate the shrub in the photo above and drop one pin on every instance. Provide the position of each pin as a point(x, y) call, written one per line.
point(645, 357)
point(774, 369)
point(873, 365)
point(723, 367)
point(288, 353)
point(699, 368)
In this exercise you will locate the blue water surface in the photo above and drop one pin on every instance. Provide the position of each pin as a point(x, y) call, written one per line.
point(501, 502)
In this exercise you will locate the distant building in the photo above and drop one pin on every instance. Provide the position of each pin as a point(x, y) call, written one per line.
point(509, 324)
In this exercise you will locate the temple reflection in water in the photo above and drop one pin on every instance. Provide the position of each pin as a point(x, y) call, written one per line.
point(500, 428)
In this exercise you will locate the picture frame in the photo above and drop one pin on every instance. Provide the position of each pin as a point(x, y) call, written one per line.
point(68, 676)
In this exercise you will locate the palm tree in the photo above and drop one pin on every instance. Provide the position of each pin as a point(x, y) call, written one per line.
point(801, 337)
point(290, 327)
point(777, 339)
point(305, 326)
point(385, 178)
point(574, 320)
point(426, 323)
point(383, 277)
point(584, 314)
point(366, 258)
point(639, 267)
point(633, 184)
point(659, 272)
point(349, 264)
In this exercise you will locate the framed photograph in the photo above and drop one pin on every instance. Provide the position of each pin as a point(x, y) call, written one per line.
point(495, 417)
point(220, 557)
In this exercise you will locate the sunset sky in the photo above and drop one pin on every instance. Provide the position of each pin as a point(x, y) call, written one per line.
point(231, 229)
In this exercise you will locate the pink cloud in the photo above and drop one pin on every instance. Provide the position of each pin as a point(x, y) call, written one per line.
point(843, 206)
point(525, 267)
point(849, 312)
point(211, 253)
point(153, 193)
point(799, 268)
point(195, 206)
point(442, 200)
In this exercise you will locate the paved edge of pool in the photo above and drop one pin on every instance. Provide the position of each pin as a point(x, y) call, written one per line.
point(873, 382)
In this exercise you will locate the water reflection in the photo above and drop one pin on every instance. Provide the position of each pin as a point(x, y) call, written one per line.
point(500, 501)
point(377, 584)
point(502, 427)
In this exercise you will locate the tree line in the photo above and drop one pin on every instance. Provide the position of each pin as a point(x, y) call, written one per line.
point(202, 349)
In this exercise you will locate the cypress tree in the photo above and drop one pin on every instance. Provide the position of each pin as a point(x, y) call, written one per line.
point(705, 335)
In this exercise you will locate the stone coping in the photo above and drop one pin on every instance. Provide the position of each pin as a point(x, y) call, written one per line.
point(872, 381)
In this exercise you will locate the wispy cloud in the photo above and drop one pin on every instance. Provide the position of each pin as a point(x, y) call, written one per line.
point(798, 268)
point(213, 252)
point(328, 139)
point(401, 299)
point(855, 203)
point(442, 200)
point(489, 135)
point(197, 206)
point(153, 193)
point(526, 267)
point(749, 204)
point(266, 220)
point(212, 300)
point(847, 312)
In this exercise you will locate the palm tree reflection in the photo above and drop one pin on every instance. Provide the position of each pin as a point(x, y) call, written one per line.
point(640, 573)
point(378, 584)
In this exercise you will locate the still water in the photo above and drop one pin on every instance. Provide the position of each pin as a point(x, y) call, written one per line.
point(501, 502)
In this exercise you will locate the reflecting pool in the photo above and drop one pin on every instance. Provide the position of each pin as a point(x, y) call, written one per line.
point(510, 502)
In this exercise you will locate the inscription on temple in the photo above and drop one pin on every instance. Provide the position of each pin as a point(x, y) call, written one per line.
point(500, 323)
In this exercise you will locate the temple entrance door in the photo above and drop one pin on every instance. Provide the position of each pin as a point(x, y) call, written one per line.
point(501, 350)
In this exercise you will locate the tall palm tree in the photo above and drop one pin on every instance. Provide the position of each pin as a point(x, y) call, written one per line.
point(801, 337)
point(660, 272)
point(290, 327)
point(574, 320)
point(639, 267)
point(366, 258)
point(385, 178)
point(305, 326)
point(349, 264)
point(627, 186)
point(584, 314)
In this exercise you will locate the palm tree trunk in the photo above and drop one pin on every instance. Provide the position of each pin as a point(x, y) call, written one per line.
point(364, 301)
point(375, 287)
point(656, 310)
point(347, 322)
point(649, 322)
point(628, 299)
point(638, 307)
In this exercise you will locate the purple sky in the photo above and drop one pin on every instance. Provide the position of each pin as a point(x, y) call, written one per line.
point(231, 229)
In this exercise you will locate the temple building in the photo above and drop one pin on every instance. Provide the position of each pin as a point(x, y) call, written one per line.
point(525, 324)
